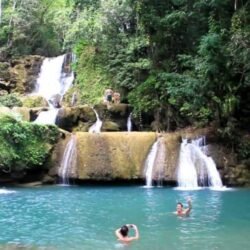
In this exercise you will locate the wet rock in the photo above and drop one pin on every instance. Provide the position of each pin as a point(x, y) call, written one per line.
point(34, 101)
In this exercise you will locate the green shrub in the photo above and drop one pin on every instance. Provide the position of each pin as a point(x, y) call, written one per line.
point(25, 145)
point(10, 101)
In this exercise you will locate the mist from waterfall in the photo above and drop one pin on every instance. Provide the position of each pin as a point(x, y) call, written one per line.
point(129, 123)
point(196, 169)
point(96, 127)
point(52, 84)
point(68, 161)
point(149, 164)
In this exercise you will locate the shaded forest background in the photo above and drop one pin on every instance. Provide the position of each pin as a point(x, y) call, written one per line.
point(185, 62)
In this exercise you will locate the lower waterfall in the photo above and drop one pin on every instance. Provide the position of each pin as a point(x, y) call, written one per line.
point(68, 161)
point(196, 169)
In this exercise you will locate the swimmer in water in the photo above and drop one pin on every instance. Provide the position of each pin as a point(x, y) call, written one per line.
point(181, 211)
point(122, 233)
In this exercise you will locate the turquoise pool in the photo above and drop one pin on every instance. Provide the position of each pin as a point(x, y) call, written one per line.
point(75, 218)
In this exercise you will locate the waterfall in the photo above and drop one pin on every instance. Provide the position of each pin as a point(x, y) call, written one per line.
point(129, 123)
point(47, 117)
point(52, 84)
point(214, 179)
point(186, 176)
point(96, 127)
point(68, 161)
point(195, 168)
point(160, 162)
point(149, 164)
point(73, 99)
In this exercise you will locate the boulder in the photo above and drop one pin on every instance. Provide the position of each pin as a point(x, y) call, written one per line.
point(110, 126)
point(34, 101)
point(75, 118)
point(23, 112)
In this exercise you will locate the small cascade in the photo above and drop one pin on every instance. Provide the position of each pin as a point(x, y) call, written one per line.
point(159, 169)
point(96, 127)
point(196, 169)
point(53, 82)
point(68, 161)
point(73, 99)
point(47, 117)
point(129, 123)
point(149, 164)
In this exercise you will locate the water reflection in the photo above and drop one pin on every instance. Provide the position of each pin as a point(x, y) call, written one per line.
point(202, 226)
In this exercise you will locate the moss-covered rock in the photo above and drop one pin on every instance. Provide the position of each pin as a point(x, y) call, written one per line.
point(34, 101)
point(109, 156)
point(78, 118)
point(110, 126)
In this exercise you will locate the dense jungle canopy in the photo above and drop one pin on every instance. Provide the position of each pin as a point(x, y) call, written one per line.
point(185, 61)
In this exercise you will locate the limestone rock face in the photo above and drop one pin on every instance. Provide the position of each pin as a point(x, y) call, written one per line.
point(121, 156)
point(115, 113)
point(78, 118)
point(110, 156)
point(81, 118)
point(20, 75)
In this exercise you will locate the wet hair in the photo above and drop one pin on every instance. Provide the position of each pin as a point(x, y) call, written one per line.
point(124, 230)
point(179, 203)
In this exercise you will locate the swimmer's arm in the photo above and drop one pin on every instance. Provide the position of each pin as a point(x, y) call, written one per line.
point(137, 236)
point(118, 234)
point(188, 210)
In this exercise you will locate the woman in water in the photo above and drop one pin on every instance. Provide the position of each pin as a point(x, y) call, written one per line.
point(122, 233)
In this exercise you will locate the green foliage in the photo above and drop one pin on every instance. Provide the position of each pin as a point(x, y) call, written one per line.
point(243, 150)
point(24, 145)
point(28, 27)
point(10, 101)
point(188, 56)
point(91, 78)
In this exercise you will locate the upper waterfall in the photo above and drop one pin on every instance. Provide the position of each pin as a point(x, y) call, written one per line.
point(52, 83)
point(196, 169)
point(52, 79)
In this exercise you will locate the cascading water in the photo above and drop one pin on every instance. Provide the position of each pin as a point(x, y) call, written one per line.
point(196, 169)
point(160, 162)
point(129, 123)
point(68, 161)
point(149, 164)
point(52, 84)
point(186, 176)
point(214, 179)
point(96, 127)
